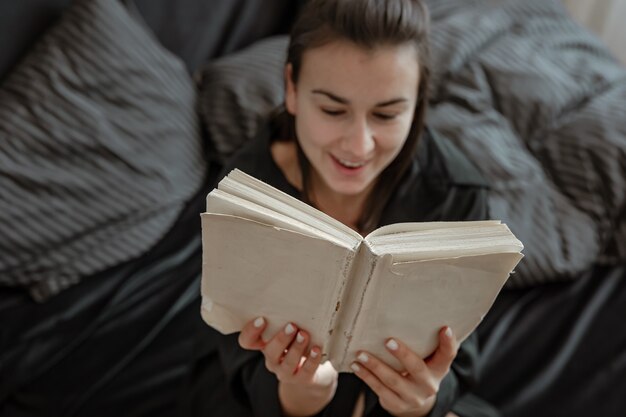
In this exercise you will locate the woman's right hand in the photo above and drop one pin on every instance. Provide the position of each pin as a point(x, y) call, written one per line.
point(305, 387)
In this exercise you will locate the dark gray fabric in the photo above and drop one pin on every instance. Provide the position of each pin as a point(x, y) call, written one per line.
point(194, 30)
point(99, 149)
point(539, 105)
point(21, 24)
point(118, 344)
point(559, 349)
point(200, 30)
point(237, 92)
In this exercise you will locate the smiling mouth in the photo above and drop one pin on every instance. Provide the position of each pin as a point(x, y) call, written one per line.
point(350, 164)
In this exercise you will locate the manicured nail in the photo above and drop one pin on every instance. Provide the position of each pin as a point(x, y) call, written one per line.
point(355, 367)
point(362, 357)
point(392, 344)
point(299, 338)
point(314, 354)
point(259, 322)
point(449, 332)
point(289, 329)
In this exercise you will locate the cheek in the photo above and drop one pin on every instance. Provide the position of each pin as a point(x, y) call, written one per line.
point(393, 138)
point(314, 130)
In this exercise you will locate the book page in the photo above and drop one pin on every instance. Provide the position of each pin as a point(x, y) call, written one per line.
point(250, 269)
point(411, 301)
point(220, 202)
point(434, 240)
point(240, 184)
point(396, 228)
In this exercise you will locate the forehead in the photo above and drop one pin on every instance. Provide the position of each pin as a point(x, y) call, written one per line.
point(348, 69)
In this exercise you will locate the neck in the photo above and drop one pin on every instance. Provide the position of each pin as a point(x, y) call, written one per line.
point(348, 209)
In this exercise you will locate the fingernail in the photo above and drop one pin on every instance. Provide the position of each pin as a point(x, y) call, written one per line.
point(259, 322)
point(314, 354)
point(355, 367)
point(392, 344)
point(289, 329)
point(362, 357)
point(299, 338)
point(449, 332)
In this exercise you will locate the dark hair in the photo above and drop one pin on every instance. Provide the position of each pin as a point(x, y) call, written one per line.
point(368, 24)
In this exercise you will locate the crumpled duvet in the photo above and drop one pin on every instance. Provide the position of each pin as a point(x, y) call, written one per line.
point(539, 105)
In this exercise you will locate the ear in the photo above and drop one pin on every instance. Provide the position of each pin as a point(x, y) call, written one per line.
point(290, 90)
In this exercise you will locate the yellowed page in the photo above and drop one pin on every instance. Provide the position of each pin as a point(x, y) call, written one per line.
point(252, 269)
point(396, 228)
point(411, 301)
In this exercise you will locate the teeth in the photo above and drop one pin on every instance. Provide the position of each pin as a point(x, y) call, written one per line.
point(350, 164)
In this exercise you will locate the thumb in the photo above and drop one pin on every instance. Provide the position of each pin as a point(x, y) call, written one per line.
point(250, 336)
point(445, 353)
point(325, 375)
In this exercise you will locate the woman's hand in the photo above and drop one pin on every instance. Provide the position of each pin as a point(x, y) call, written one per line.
point(305, 387)
point(414, 391)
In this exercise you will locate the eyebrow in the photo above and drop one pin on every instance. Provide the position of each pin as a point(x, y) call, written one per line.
point(342, 100)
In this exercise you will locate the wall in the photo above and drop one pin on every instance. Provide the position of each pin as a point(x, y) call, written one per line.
point(606, 19)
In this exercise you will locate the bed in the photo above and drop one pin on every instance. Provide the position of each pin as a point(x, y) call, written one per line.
point(115, 118)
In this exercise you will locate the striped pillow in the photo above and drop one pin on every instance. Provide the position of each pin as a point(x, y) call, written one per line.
point(99, 149)
point(237, 92)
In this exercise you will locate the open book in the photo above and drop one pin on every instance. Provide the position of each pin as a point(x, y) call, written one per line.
point(268, 254)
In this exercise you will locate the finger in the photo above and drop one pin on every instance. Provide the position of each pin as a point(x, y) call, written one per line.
point(308, 368)
point(414, 365)
point(386, 375)
point(275, 348)
point(424, 383)
point(250, 336)
point(293, 358)
point(445, 353)
point(387, 397)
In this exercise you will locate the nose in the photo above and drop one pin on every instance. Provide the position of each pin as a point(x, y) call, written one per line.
point(359, 139)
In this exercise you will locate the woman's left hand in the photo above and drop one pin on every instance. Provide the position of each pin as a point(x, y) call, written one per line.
point(411, 393)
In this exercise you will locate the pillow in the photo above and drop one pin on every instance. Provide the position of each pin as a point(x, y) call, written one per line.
point(237, 93)
point(539, 105)
point(99, 149)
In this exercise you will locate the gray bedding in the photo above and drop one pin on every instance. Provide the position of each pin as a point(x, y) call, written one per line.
point(100, 149)
point(539, 105)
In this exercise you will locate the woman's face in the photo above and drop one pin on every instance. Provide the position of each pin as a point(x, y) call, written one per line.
point(353, 109)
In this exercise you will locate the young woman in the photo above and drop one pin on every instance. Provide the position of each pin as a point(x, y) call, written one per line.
point(352, 142)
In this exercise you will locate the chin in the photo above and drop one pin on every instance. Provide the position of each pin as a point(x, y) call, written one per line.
point(351, 189)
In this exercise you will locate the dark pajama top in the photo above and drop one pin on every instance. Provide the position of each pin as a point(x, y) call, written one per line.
point(441, 185)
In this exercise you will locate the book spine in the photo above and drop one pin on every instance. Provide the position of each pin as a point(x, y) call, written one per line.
point(348, 306)
point(336, 306)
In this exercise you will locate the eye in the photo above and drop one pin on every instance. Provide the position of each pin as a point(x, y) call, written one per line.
point(385, 116)
point(333, 112)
